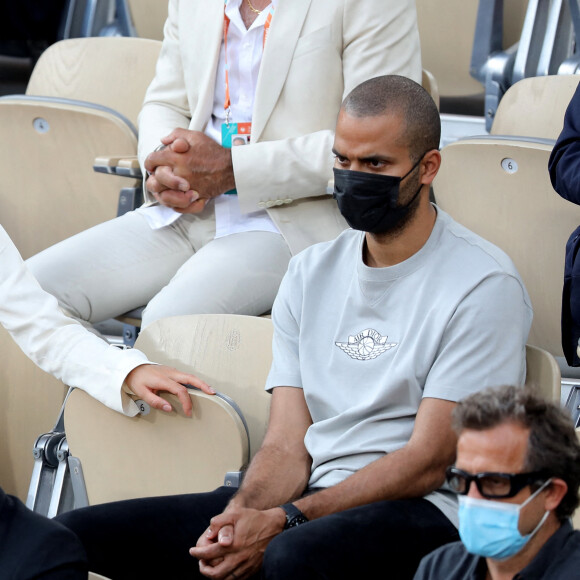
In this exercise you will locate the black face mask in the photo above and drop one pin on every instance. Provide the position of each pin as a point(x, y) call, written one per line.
point(368, 201)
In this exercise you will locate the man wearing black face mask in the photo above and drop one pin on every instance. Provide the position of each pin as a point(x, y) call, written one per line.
point(377, 335)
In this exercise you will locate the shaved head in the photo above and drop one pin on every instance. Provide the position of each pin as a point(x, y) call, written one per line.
point(404, 98)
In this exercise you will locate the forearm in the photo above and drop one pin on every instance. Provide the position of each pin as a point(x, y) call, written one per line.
point(406, 473)
point(275, 476)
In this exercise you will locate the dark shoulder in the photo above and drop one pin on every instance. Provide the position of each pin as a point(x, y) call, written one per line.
point(449, 562)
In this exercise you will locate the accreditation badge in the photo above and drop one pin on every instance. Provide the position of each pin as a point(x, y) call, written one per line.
point(235, 134)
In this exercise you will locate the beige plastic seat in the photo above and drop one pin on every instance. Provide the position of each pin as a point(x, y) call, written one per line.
point(543, 373)
point(82, 102)
point(160, 453)
point(446, 29)
point(429, 83)
point(31, 400)
point(576, 515)
point(500, 189)
point(535, 106)
point(156, 453)
point(51, 192)
point(94, 576)
point(232, 353)
point(148, 17)
point(112, 72)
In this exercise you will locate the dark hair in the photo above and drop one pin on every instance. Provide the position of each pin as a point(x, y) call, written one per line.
point(553, 444)
point(401, 96)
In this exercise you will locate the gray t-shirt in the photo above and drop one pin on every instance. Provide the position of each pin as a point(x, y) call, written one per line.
point(367, 344)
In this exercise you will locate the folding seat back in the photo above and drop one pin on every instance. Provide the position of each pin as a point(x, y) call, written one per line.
point(448, 31)
point(576, 515)
point(113, 72)
point(156, 453)
point(535, 106)
point(82, 102)
point(31, 400)
point(148, 17)
point(50, 191)
point(500, 189)
point(543, 373)
point(429, 83)
point(232, 353)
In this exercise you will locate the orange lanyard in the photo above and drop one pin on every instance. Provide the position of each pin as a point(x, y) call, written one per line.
point(228, 103)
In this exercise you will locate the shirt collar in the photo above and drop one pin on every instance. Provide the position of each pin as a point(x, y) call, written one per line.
point(547, 555)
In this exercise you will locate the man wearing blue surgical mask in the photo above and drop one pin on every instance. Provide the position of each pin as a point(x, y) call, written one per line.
point(517, 474)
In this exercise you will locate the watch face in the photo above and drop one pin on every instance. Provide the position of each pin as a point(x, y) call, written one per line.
point(294, 517)
point(296, 521)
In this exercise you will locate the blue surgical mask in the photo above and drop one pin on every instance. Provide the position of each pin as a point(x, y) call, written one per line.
point(490, 528)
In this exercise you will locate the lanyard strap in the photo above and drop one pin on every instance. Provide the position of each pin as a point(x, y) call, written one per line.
point(228, 103)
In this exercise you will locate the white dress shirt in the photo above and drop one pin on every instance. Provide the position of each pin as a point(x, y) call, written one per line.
point(244, 47)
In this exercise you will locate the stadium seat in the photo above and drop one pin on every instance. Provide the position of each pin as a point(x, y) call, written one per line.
point(499, 188)
point(154, 453)
point(232, 353)
point(576, 515)
point(93, 576)
point(148, 17)
point(545, 46)
point(31, 400)
point(82, 102)
point(111, 72)
point(448, 33)
point(543, 373)
point(535, 106)
point(51, 192)
point(159, 453)
point(429, 83)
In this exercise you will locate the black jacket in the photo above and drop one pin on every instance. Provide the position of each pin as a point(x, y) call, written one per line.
point(564, 166)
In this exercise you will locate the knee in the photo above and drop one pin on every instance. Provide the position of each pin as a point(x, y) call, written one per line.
point(288, 556)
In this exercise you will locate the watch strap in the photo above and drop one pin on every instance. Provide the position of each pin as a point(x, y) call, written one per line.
point(294, 517)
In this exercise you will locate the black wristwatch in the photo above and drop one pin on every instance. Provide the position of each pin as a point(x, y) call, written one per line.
point(294, 517)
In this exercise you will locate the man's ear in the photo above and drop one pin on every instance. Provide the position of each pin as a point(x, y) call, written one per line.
point(555, 493)
point(430, 166)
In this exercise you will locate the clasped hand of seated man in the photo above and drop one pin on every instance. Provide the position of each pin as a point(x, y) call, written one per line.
point(233, 546)
point(189, 170)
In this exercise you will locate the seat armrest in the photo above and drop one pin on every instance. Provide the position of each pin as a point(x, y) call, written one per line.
point(124, 166)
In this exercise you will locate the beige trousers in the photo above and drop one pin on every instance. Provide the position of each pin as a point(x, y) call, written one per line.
point(179, 269)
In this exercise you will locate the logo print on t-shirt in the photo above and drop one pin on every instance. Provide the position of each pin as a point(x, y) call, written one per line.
point(366, 345)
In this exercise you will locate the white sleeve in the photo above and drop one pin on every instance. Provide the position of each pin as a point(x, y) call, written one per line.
point(285, 369)
point(58, 344)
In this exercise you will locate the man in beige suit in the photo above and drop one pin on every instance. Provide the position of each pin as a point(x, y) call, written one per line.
point(221, 223)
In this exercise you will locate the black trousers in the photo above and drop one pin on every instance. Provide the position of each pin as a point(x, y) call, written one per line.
point(150, 538)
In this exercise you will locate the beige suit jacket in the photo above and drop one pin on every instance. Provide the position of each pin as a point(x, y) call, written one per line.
point(316, 52)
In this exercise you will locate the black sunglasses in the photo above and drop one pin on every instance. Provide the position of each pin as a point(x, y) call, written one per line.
point(492, 485)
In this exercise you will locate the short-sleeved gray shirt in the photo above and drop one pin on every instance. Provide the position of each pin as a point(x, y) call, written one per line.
point(367, 344)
